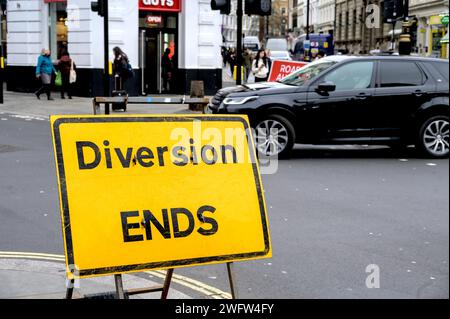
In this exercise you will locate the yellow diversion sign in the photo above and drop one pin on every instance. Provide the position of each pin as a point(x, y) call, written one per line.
point(151, 192)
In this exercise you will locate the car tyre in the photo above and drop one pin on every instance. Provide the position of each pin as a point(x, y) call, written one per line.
point(274, 136)
point(433, 139)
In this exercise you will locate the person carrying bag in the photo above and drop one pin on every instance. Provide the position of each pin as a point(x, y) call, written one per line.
point(68, 75)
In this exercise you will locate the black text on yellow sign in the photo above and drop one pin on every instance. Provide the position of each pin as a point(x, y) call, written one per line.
point(151, 192)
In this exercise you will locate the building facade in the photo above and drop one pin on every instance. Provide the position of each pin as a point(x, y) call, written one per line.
point(326, 16)
point(360, 27)
point(142, 28)
point(279, 20)
point(250, 26)
point(298, 16)
point(430, 28)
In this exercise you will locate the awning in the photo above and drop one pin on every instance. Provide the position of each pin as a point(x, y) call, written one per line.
point(445, 39)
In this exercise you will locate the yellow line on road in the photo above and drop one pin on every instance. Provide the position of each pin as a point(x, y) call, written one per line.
point(31, 254)
point(193, 284)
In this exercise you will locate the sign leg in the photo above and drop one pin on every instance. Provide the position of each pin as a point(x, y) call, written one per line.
point(232, 279)
point(119, 287)
point(167, 283)
point(69, 291)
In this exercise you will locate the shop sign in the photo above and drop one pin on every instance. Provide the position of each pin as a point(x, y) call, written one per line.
point(160, 5)
point(435, 20)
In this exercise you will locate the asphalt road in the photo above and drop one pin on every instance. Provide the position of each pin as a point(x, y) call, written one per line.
point(333, 211)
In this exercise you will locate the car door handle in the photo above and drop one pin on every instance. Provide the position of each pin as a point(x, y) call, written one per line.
point(363, 96)
point(419, 93)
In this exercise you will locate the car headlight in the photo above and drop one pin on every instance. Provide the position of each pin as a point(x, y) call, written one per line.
point(239, 100)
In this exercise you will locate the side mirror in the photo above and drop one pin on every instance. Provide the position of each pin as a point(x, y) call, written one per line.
point(326, 87)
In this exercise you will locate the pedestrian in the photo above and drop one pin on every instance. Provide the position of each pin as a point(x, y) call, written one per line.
point(260, 67)
point(248, 61)
point(224, 56)
point(232, 59)
point(167, 69)
point(122, 67)
point(44, 71)
point(65, 66)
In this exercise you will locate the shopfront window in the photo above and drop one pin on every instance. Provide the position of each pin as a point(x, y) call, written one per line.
point(438, 31)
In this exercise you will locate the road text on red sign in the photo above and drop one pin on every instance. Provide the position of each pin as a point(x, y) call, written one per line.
point(281, 69)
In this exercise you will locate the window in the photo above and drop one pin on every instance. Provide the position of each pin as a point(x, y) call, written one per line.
point(442, 68)
point(355, 75)
point(397, 73)
point(307, 73)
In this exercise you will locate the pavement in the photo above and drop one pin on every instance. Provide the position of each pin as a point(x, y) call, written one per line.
point(28, 105)
point(33, 276)
point(37, 279)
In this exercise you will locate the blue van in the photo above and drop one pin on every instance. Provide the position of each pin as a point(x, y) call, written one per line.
point(318, 42)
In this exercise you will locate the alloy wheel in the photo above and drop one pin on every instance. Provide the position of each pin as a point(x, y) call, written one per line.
point(272, 137)
point(435, 137)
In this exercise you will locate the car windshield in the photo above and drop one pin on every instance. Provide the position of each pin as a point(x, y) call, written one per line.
point(307, 73)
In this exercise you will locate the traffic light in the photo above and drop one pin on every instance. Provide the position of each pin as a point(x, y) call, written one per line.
point(258, 7)
point(393, 10)
point(99, 7)
point(223, 5)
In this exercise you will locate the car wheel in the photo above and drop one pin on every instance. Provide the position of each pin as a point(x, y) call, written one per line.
point(274, 136)
point(433, 137)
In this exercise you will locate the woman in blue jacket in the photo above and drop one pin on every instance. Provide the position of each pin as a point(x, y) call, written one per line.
point(44, 72)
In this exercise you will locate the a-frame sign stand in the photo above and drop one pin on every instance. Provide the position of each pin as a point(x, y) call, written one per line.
point(121, 293)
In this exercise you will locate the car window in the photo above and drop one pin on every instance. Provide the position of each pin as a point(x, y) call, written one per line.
point(400, 73)
point(307, 73)
point(351, 76)
point(442, 68)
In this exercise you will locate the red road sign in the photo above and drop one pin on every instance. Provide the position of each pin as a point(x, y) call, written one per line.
point(281, 69)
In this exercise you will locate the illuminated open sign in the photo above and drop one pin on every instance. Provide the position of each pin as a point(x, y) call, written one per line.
point(154, 21)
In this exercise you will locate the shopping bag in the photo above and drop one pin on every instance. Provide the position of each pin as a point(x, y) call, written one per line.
point(72, 74)
point(58, 80)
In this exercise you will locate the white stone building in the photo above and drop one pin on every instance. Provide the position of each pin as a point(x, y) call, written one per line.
point(189, 28)
point(326, 16)
point(298, 16)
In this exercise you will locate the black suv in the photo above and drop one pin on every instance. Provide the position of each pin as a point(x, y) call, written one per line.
point(396, 101)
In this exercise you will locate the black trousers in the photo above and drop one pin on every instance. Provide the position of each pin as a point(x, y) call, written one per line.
point(66, 85)
point(46, 88)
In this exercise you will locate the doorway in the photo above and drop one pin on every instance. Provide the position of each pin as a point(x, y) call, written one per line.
point(153, 43)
